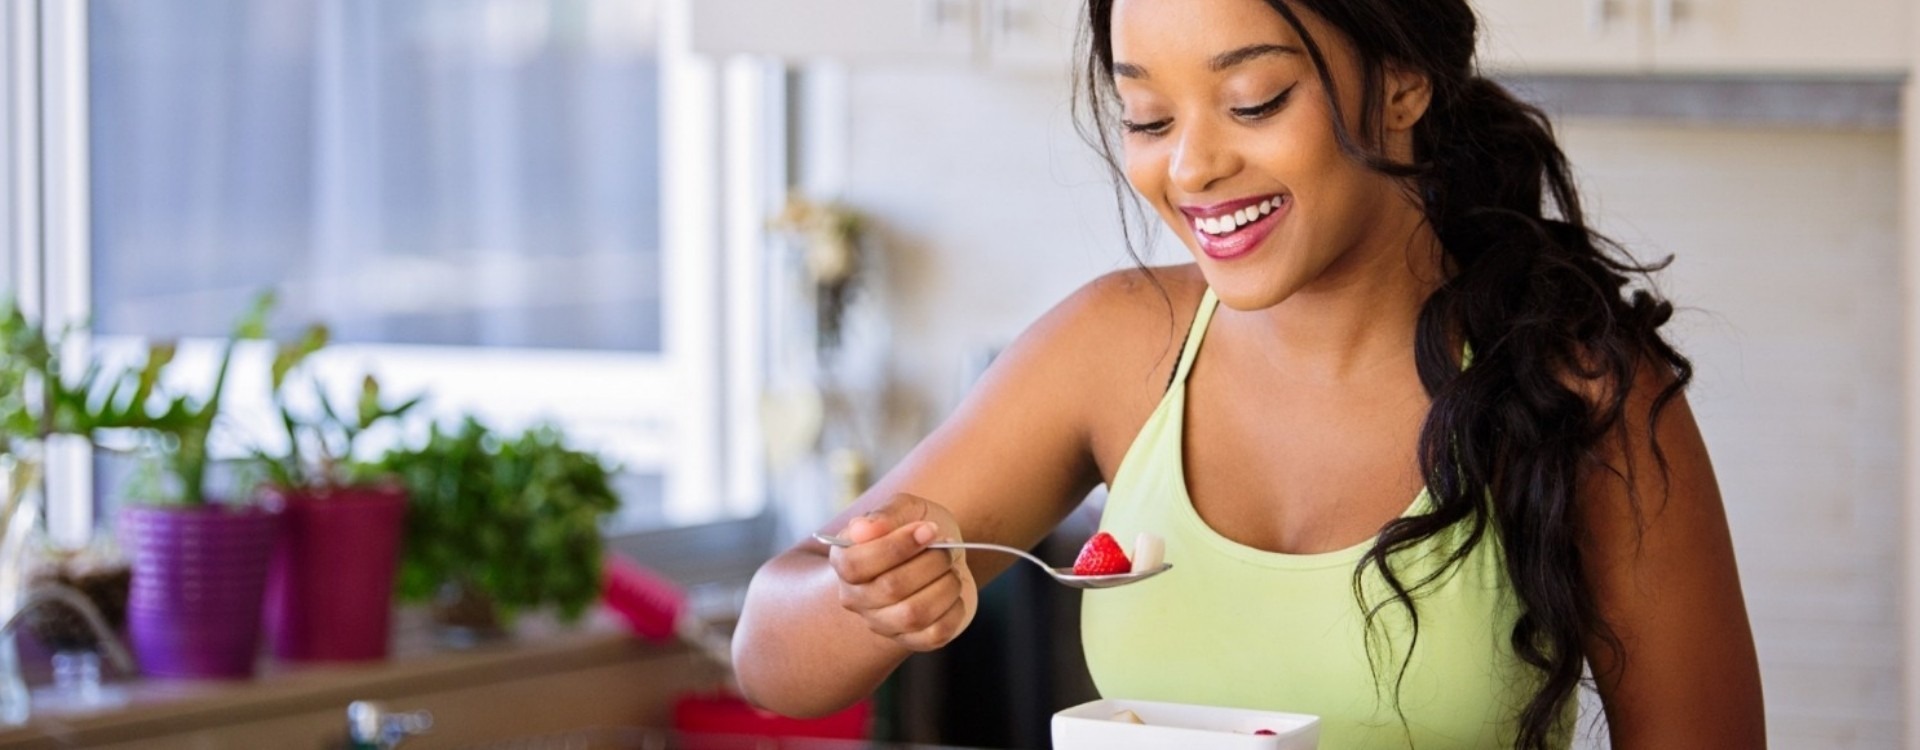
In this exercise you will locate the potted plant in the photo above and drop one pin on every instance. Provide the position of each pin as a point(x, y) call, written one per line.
point(27, 358)
point(199, 564)
point(23, 353)
point(497, 524)
point(39, 400)
point(330, 589)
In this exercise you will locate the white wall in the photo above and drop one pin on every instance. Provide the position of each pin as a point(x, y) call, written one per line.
point(1787, 254)
point(991, 209)
point(1788, 262)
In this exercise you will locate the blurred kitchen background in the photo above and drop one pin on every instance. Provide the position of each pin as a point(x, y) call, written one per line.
point(751, 250)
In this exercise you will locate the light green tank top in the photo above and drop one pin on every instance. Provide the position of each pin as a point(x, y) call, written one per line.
point(1232, 625)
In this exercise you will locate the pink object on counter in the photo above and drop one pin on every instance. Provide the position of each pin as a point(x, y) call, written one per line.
point(650, 603)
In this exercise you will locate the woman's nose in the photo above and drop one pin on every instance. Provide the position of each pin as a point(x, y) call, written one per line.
point(1201, 158)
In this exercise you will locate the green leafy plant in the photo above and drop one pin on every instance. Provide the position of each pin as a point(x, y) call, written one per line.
point(516, 518)
point(39, 399)
point(179, 436)
point(322, 443)
point(25, 357)
point(179, 430)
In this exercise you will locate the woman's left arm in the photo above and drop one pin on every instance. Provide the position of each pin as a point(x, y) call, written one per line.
point(1664, 579)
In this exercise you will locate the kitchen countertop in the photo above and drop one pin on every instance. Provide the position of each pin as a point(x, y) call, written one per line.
point(655, 739)
point(154, 708)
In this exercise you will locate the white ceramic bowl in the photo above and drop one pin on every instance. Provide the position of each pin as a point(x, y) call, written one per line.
point(1176, 726)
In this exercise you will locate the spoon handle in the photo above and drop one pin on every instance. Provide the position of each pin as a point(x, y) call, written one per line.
point(845, 542)
point(993, 548)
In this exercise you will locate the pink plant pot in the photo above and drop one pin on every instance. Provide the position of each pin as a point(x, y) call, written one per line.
point(330, 593)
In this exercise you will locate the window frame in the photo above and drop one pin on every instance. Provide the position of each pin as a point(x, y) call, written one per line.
point(720, 178)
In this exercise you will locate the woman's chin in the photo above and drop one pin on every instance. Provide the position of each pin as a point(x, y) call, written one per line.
point(1246, 292)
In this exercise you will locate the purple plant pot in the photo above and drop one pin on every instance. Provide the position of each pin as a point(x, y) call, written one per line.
point(330, 592)
point(198, 578)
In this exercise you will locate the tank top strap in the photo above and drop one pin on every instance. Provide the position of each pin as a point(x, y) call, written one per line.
point(1199, 331)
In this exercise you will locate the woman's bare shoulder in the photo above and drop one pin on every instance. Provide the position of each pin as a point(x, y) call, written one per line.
point(1128, 323)
point(1119, 338)
point(1055, 410)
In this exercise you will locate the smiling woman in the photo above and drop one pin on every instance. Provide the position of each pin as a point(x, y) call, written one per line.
point(1231, 228)
point(1419, 450)
point(1256, 107)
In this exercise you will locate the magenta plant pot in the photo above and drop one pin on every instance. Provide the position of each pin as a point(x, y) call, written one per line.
point(330, 590)
point(198, 577)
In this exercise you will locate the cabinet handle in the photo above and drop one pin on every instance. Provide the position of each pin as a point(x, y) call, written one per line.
point(940, 14)
point(1599, 13)
point(1010, 18)
point(1665, 14)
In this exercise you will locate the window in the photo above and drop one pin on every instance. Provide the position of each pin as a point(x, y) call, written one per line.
point(466, 174)
point(512, 205)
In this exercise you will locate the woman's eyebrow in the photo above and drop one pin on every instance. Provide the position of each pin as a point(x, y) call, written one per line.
point(1219, 62)
point(1231, 58)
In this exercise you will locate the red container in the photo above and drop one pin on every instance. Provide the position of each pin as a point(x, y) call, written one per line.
point(198, 577)
point(330, 593)
point(721, 720)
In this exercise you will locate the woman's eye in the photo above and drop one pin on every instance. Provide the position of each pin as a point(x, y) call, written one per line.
point(1157, 127)
point(1267, 107)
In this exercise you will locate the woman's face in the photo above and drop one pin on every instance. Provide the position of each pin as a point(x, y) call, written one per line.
point(1229, 136)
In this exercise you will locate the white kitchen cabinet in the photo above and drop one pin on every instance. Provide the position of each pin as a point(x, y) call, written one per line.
point(996, 34)
point(1032, 35)
point(853, 31)
point(1734, 36)
point(1563, 36)
point(1751, 37)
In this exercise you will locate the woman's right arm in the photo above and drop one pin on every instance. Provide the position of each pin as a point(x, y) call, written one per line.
point(823, 627)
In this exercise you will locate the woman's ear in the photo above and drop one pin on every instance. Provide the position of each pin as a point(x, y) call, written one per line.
point(1408, 94)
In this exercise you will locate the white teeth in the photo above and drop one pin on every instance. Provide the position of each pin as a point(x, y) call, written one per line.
point(1221, 225)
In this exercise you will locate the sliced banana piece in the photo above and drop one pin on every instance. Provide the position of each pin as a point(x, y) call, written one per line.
point(1149, 550)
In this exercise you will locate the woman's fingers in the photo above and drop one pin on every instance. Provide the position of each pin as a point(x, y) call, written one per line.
point(919, 611)
point(941, 632)
point(918, 597)
point(879, 553)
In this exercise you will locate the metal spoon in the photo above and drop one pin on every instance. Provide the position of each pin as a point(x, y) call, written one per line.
point(1064, 575)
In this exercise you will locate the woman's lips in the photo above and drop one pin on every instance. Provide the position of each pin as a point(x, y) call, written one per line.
point(1244, 239)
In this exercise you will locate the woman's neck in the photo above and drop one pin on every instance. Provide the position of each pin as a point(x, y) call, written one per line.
point(1359, 316)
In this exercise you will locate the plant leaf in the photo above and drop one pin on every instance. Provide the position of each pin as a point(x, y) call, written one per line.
point(369, 406)
point(253, 323)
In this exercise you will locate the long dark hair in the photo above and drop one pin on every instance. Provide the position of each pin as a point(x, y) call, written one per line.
point(1540, 300)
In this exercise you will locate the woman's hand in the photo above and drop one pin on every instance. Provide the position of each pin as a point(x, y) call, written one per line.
point(823, 627)
point(917, 597)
